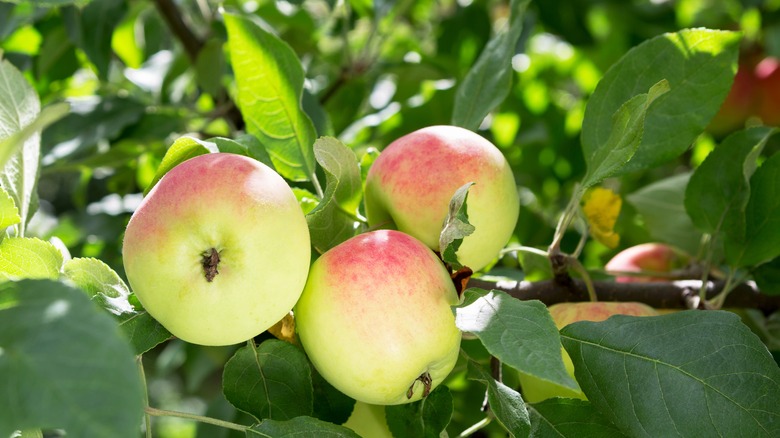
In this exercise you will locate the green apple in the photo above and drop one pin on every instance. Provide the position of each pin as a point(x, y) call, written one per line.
point(219, 250)
point(535, 389)
point(369, 421)
point(375, 318)
point(410, 185)
point(649, 258)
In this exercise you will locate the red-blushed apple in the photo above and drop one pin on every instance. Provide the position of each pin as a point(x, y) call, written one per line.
point(536, 390)
point(369, 421)
point(219, 250)
point(410, 185)
point(376, 320)
point(648, 258)
point(767, 74)
point(740, 103)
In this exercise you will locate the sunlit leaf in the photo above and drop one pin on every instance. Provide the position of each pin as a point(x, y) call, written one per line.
point(601, 208)
point(28, 257)
point(456, 226)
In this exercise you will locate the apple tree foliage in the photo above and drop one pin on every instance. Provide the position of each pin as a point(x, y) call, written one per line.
point(99, 98)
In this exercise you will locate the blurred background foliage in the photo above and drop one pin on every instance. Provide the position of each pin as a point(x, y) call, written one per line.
point(141, 73)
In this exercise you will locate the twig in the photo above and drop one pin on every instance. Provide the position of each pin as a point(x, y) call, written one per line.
point(192, 44)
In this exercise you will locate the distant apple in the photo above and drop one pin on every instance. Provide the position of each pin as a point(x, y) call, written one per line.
point(219, 250)
point(767, 74)
point(649, 258)
point(740, 103)
point(410, 185)
point(535, 389)
point(369, 421)
point(376, 320)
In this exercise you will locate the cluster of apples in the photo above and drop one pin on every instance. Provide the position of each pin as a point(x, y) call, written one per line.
point(219, 251)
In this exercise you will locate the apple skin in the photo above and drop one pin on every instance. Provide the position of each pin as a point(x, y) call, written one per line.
point(767, 74)
point(376, 315)
point(740, 103)
point(249, 215)
point(369, 421)
point(649, 257)
point(536, 390)
point(412, 181)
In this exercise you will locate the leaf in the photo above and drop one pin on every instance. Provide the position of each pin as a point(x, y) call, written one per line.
point(691, 373)
point(625, 136)
point(767, 277)
point(601, 208)
point(9, 214)
point(568, 417)
point(71, 367)
point(272, 380)
point(269, 78)
point(519, 333)
point(424, 418)
point(760, 242)
point(505, 403)
point(300, 427)
point(488, 82)
point(247, 145)
point(661, 205)
point(719, 188)
point(210, 66)
point(50, 114)
point(180, 151)
point(143, 331)
point(54, 3)
point(28, 257)
point(330, 404)
point(101, 283)
point(699, 65)
point(93, 28)
point(333, 220)
point(456, 226)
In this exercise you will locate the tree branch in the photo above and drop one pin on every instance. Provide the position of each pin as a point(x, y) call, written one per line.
point(681, 294)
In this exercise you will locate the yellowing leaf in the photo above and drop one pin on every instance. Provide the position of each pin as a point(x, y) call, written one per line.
point(602, 207)
point(9, 214)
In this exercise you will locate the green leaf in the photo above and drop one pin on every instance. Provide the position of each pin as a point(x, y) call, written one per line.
point(569, 418)
point(9, 214)
point(101, 283)
point(488, 82)
point(143, 331)
point(719, 189)
point(520, 334)
point(53, 3)
point(691, 373)
point(272, 380)
point(628, 124)
point(760, 241)
point(270, 78)
point(299, 427)
point(11, 144)
point(456, 226)
point(333, 220)
point(505, 403)
point(698, 63)
point(93, 29)
point(306, 199)
point(180, 151)
point(767, 277)
point(661, 205)
point(247, 145)
point(28, 257)
point(426, 418)
point(210, 66)
point(330, 404)
point(71, 367)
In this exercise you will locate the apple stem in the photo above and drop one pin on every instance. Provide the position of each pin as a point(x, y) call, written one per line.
point(210, 263)
point(427, 382)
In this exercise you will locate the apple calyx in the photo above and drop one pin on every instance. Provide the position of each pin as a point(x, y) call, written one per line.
point(210, 262)
point(427, 382)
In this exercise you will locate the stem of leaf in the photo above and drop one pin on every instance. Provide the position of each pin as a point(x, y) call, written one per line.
point(477, 426)
point(566, 219)
point(208, 420)
point(147, 418)
point(707, 249)
point(317, 186)
point(530, 249)
point(574, 263)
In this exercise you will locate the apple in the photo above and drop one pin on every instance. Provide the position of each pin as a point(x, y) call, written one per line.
point(535, 389)
point(649, 258)
point(767, 74)
point(219, 250)
point(740, 103)
point(369, 421)
point(375, 318)
point(410, 185)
